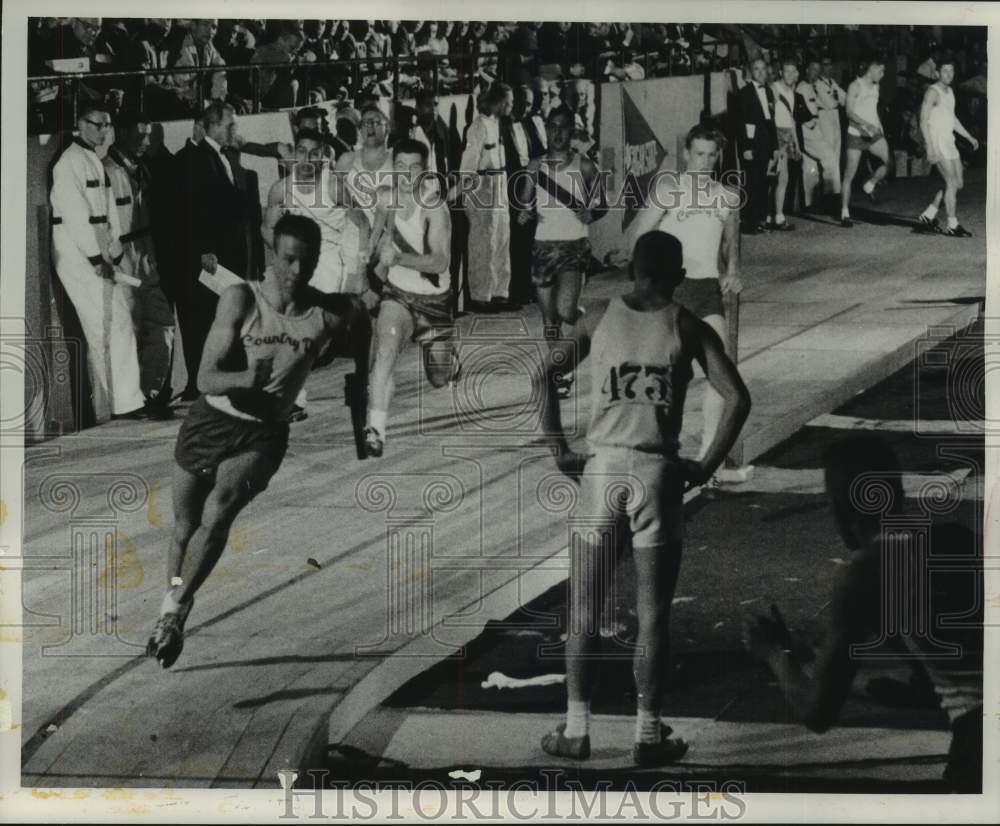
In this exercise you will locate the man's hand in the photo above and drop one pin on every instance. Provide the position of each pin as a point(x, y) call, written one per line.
point(975, 143)
point(370, 299)
point(695, 474)
point(389, 254)
point(748, 154)
point(105, 270)
point(571, 463)
point(525, 216)
point(209, 263)
point(731, 283)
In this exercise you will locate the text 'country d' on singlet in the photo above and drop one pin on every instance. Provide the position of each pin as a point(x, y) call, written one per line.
point(640, 380)
point(293, 342)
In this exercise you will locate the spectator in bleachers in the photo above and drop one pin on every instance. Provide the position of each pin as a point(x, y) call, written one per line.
point(152, 317)
point(86, 252)
point(462, 39)
point(489, 37)
point(343, 42)
point(517, 153)
point(198, 50)
point(77, 39)
point(315, 41)
point(278, 88)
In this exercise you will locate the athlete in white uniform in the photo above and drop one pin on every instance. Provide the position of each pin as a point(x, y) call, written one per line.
point(367, 173)
point(633, 481)
point(933, 609)
point(939, 125)
point(563, 190)
point(864, 134)
point(704, 216)
point(308, 190)
point(264, 340)
point(413, 261)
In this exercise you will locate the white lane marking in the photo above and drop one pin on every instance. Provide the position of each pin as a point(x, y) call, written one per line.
point(810, 481)
point(925, 427)
point(499, 680)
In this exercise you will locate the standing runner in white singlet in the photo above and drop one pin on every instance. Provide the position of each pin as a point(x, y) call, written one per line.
point(308, 190)
point(563, 187)
point(704, 216)
point(265, 339)
point(631, 489)
point(864, 134)
point(367, 173)
point(939, 125)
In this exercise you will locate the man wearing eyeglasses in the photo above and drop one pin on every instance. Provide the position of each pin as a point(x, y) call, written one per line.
point(87, 252)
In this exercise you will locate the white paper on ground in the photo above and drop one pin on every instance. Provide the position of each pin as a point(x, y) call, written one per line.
point(220, 280)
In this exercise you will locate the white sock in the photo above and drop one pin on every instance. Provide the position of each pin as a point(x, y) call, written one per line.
point(647, 726)
point(577, 718)
point(868, 187)
point(930, 213)
point(376, 420)
point(952, 222)
point(170, 605)
point(845, 213)
point(779, 218)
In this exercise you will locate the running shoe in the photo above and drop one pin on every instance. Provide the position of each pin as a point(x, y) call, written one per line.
point(667, 750)
point(298, 414)
point(167, 640)
point(374, 444)
point(957, 231)
point(846, 223)
point(925, 224)
point(559, 745)
point(784, 226)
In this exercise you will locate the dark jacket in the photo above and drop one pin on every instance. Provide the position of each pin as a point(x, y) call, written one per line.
point(765, 139)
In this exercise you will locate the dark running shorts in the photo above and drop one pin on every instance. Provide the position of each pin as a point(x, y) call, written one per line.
point(549, 258)
point(432, 315)
point(964, 771)
point(701, 297)
point(208, 437)
point(861, 143)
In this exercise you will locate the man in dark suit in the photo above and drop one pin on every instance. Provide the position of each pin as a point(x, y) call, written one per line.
point(213, 228)
point(759, 140)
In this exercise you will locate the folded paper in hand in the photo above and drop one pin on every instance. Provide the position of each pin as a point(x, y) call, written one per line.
point(220, 280)
point(124, 278)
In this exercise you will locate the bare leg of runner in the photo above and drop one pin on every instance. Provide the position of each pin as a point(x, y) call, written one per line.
point(712, 404)
point(850, 170)
point(393, 328)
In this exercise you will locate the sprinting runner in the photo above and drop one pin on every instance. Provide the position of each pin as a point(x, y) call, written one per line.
point(704, 216)
point(939, 125)
point(563, 186)
point(413, 261)
point(881, 589)
point(367, 173)
point(641, 353)
point(264, 340)
point(864, 134)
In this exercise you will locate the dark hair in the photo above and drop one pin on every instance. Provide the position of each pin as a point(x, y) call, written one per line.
point(303, 228)
point(317, 112)
point(561, 111)
point(846, 461)
point(410, 146)
point(347, 132)
point(425, 95)
point(497, 93)
point(374, 108)
point(91, 106)
point(947, 59)
point(127, 120)
point(658, 252)
point(789, 61)
point(215, 112)
point(309, 135)
point(705, 133)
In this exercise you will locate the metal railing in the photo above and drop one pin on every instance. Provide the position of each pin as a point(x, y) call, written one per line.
point(457, 74)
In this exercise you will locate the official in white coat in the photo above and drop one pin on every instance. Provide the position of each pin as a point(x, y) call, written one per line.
point(86, 249)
